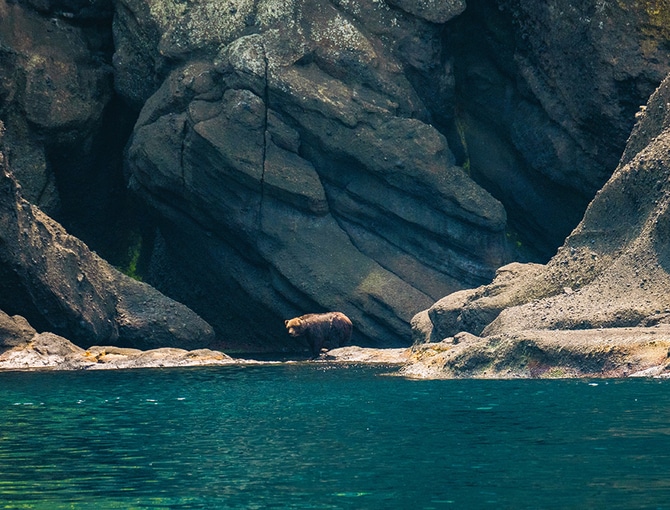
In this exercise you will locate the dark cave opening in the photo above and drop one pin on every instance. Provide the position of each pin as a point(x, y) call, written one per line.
point(96, 205)
point(483, 133)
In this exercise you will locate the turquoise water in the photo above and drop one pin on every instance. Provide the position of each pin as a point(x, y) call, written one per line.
point(318, 436)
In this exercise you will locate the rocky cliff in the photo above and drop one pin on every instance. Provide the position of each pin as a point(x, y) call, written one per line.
point(260, 160)
point(603, 295)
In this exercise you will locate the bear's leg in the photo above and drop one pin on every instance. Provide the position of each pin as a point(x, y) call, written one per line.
point(315, 345)
point(336, 339)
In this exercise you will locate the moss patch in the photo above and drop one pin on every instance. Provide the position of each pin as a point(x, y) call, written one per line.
point(131, 263)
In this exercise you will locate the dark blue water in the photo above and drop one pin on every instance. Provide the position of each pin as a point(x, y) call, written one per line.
point(315, 436)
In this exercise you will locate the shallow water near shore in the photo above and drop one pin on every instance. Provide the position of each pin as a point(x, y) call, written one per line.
point(313, 435)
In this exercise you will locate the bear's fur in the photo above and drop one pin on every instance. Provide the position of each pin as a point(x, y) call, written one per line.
point(322, 330)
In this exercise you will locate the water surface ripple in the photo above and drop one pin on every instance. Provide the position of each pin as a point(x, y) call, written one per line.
point(318, 436)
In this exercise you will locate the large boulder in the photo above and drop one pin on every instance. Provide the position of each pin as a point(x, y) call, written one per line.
point(291, 156)
point(14, 331)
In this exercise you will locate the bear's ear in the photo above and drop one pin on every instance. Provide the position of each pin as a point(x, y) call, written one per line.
point(286, 323)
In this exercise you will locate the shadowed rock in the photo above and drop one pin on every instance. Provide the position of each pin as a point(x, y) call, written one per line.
point(63, 287)
point(14, 331)
point(54, 87)
point(548, 93)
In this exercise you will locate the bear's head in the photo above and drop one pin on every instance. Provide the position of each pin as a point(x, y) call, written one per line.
point(295, 326)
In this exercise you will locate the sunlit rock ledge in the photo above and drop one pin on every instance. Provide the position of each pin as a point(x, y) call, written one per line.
point(49, 351)
point(592, 353)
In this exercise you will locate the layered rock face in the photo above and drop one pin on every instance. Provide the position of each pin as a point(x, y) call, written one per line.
point(303, 169)
point(369, 157)
point(295, 169)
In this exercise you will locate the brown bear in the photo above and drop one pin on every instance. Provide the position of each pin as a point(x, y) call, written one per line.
point(322, 330)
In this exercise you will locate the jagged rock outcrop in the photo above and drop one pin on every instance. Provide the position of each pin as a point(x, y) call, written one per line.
point(52, 279)
point(612, 272)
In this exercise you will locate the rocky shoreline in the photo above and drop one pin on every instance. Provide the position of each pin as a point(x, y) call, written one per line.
point(599, 307)
point(23, 348)
point(601, 353)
